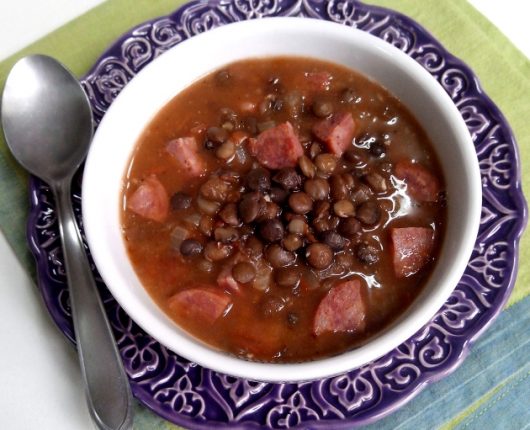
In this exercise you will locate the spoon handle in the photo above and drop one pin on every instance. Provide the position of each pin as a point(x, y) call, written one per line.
point(107, 389)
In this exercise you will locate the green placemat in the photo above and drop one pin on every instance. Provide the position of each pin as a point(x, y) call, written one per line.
point(504, 73)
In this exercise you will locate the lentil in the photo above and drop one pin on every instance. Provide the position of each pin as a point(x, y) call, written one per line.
point(243, 272)
point(319, 255)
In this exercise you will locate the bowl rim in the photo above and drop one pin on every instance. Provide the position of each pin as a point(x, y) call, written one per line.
point(280, 372)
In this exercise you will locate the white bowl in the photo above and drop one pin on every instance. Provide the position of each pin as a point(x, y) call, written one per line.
point(176, 69)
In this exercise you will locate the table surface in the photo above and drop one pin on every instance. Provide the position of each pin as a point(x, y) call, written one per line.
point(42, 371)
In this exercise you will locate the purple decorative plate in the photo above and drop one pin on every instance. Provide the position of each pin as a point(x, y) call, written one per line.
point(195, 397)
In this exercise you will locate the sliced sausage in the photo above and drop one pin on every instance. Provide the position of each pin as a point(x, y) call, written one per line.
point(422, 185)
point(336, 132)
point(150, 200)
point(185, 151)
point(341, 310)
point(202, 303)
point(277, 147)
point(411, 249)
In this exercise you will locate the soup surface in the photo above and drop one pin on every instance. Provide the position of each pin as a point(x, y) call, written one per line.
point(283, 209)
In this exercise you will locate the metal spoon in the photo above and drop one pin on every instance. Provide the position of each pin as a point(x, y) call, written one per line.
point(47, 124)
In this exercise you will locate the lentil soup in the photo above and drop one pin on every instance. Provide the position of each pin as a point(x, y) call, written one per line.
point(283, 209)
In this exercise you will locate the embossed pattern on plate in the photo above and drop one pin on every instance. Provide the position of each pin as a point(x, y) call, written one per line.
point(199, 398)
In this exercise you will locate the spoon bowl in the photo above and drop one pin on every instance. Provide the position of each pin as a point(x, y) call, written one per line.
point(46, 119)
